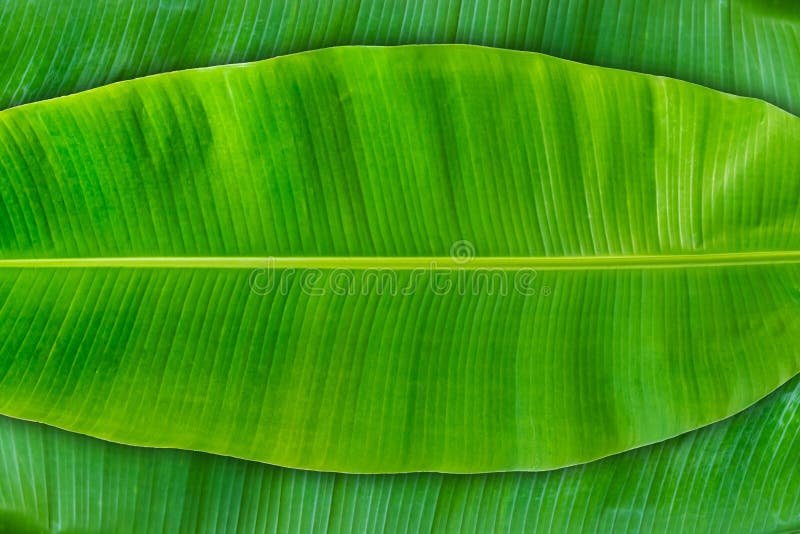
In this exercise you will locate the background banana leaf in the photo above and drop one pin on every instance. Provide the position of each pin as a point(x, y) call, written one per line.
point(661, 227)
point(748, 47)
point(739, 475)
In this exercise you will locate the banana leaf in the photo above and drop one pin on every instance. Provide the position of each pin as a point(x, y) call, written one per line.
point(748, 47)
point(738, 475)
point(444, 258)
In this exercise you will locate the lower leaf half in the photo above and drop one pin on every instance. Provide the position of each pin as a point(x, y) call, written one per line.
point(738, 475)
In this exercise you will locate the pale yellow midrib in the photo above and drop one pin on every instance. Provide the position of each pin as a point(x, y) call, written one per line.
point(416, 263)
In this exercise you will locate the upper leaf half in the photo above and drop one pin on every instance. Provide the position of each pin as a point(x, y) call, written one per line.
point(465, 259)
point(747, 47)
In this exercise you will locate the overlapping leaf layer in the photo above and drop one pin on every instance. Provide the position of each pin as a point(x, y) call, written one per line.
point(747, 47)
point(739, 475)
point(389, 260)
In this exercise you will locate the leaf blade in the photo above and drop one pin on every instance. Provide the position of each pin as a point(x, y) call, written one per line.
point(326, 164)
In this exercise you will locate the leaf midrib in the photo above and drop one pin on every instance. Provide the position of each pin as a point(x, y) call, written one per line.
point(420, 262)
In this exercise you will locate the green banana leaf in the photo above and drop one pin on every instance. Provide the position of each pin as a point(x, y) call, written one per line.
point(739, 475)
point(748, 47)
point(445, 258)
